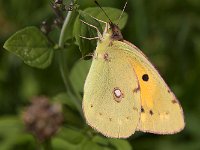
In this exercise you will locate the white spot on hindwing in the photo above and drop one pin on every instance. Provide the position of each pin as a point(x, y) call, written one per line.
point(118, 95)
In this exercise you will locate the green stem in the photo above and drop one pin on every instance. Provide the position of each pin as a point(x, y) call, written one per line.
point(64, 68)
point(38, 144)
point(64, 28)
point(47, 145)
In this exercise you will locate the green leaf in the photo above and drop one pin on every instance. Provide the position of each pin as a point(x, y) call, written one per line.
point(61, 144)
point(73, 136)
point(80, 28)
point(31, 46)
point(100, 140)
point(63, 98)
point(8, 123)
point(71, 55)
point(73, 139)
point(91, 145)
point(12, 135)
point(120, 144)
point(78, 139)
point(78, 75)
point(117, 144)
point(70, 113)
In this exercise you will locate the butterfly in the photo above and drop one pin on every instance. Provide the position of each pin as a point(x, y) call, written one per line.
point(124, 93)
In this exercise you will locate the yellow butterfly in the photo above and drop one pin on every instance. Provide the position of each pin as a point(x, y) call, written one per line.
point(124, 93)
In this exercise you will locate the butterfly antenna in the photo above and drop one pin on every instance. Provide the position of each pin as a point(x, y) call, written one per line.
point(102, 10)
point(122, 12)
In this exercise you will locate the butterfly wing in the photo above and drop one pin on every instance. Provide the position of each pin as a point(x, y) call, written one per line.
point(161, 112)
point(111, 101)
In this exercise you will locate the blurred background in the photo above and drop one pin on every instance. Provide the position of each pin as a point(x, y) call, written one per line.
point(167, 31)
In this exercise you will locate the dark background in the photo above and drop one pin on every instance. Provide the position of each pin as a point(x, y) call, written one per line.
point(167, 31)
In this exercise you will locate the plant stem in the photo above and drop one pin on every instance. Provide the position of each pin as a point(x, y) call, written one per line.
point(63, 65)
point(64, 27)
point(47, 145)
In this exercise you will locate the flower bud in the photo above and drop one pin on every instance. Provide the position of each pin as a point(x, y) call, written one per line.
point(42, 119)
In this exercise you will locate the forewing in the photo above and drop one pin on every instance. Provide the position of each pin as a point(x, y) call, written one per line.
point(161, 112)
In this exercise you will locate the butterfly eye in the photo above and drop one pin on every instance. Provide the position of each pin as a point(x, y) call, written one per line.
point(145, 77)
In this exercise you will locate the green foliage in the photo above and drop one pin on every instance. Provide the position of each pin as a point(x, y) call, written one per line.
point(76, 140)
point(167, 31)
point(78, 75)
point(31, 46)
point(10, 129)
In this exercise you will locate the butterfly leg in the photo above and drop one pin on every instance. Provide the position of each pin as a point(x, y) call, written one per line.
point(89, 38)
point(98, 32)
point(99, 20)
point(90, 55)
point(106, 24)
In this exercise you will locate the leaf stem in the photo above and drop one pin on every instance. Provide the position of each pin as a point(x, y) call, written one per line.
point(47, 145)
point(63, 65)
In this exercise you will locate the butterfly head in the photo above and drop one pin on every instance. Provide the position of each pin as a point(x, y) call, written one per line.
point(112, 29)
point(115, 32)
point(112, 32)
